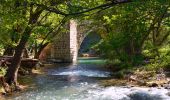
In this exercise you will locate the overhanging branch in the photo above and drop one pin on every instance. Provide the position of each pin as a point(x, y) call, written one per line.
point(103, 6)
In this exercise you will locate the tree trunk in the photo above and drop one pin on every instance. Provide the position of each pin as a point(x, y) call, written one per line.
point(11, 76)
point(12, 72)
point(132, 50)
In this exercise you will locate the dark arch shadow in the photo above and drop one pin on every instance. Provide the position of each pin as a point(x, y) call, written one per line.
point(89, 40)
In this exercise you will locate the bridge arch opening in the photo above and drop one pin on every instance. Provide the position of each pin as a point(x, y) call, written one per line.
point(86, 46)
point(77, 41)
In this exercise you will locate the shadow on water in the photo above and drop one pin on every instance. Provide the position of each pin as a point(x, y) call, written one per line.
point(145, 96)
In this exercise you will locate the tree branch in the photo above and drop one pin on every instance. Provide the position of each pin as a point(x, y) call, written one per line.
point(50, 9)
point(107, 5)
point(103, 6)
point(43, 17)
point(54, 30)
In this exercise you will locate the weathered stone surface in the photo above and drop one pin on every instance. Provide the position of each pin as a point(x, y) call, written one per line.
point(64, 47)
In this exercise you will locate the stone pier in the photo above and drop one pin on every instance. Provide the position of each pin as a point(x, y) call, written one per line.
point(64, 47)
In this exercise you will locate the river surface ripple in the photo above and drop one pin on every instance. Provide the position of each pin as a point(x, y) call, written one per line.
point(81, 82)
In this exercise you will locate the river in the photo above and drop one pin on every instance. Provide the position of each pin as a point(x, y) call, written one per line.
point(81, 82)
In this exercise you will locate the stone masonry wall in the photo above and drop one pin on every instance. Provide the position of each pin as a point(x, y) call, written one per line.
point(64, 47)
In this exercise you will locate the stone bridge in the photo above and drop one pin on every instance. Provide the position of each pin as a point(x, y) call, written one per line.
point(66, 45)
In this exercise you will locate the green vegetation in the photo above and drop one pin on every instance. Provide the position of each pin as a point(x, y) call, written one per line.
point(137, 34)
point(134, 33)
point(2, 71)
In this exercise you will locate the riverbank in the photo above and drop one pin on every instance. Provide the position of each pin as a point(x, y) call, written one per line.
point(139, 78)
point(131, 78)
point(26, 79)
point(83, 82)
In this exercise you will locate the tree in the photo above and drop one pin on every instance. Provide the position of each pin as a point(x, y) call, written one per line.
point(130, 26)
point(33, 12)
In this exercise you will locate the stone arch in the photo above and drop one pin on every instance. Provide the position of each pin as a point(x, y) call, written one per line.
point(66, 48)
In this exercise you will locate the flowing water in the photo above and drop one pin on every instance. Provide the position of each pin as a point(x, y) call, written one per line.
point(81, 82)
